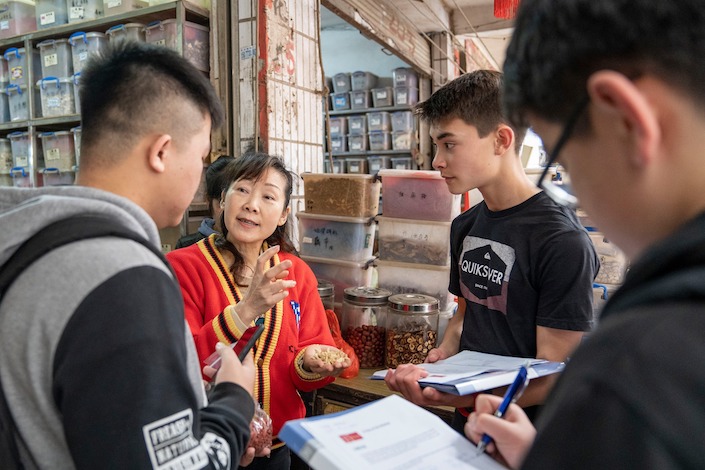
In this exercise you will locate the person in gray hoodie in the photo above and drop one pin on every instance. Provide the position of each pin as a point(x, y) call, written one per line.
point(97, 365)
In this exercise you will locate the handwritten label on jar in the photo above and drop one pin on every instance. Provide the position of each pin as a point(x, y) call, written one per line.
point(76, 13)
point(47, 18)
point(51, 59)
point(52, 154)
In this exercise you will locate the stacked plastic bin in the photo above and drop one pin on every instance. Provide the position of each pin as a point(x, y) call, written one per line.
point(337, 228)
point(414, 234)
point(406, 93)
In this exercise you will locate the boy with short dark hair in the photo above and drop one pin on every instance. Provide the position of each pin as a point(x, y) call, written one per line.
point(522, 266)
point(98, 367)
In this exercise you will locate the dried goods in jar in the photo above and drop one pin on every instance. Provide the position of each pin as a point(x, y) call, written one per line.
point(368, 343)
point(409, 347)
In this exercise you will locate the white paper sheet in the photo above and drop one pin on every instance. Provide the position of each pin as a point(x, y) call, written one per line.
point(393, 433)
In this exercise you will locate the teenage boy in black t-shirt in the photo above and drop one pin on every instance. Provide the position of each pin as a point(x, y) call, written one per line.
point(521, 265)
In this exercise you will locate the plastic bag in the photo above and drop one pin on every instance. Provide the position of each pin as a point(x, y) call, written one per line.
point(343, 345)
point(260, 430)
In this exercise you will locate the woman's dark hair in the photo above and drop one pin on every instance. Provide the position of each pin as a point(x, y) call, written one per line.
point(251, 166)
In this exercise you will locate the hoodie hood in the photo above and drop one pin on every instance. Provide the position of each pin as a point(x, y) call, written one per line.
point(25, 211)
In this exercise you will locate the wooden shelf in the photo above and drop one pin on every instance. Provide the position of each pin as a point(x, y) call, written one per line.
point(372, 153)
point(347, 112)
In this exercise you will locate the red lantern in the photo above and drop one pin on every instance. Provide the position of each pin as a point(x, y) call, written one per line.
point(505, 9)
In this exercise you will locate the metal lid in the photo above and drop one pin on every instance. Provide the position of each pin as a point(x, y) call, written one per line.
point(325, 288)
point(367, 295)
point(413, 303)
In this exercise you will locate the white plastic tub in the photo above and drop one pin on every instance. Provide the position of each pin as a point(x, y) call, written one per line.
point(115, 7)
point(17, 17)
point(17, 65)
point(57, 96)
point(19, 145)
point(18, 102)
point(59, 150)
point(84, 45)
point(51, 13)
point(416, 194)
point(342, 195)
point(405, 278)
point(414, 241)
point(342, 274)
point(55, 57)
point(128, 31)
point(335, 237)
point(196, 42)
point(80, 10)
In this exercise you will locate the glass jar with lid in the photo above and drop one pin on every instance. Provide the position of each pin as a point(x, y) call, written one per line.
point(326, 290)
point(364, 316)
point(412, 328)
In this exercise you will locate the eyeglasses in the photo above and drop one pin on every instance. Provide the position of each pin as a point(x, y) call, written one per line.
point(559, 188)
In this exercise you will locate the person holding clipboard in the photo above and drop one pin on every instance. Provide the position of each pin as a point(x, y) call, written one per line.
point(615, 90)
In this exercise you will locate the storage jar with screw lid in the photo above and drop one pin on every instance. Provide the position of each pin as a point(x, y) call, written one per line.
point(363, 323)
point(412, 328)
point(326, 290)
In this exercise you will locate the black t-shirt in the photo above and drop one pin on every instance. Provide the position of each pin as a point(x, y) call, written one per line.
point(527, 266)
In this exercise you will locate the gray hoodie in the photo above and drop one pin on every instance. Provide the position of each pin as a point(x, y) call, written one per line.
point(97, 364)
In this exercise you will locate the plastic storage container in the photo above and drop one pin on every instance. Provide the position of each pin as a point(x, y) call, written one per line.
point(76, 131)
point(195, 47)
point(59, 150)
point(341, 238)
point(342, 274)
point(17, 17)
point(4, 74)
point(340, 101)
point(20, 178)
point(363, 81)
point(405, 77)
point(382, 97)
point(343, 195)
point(416, 194)
point(326, 290)
point(18, 102)
point(601, 293)
point(76, 78)
point(405, 96)
point(356, 165)
point(5, 156)
point(359, 99)
point(338, 126)
point(357, 143)
point(380, 140)
point(357, 125)
point(378, 162)
point(55, 177)
point(129, 31)
point(55, 55)
point(378, 121)
point(51, 13)
point(404, 278)
point(403, 140)
point(338, 166)
point(341, 83)
point(363, 323)
point(4, 106)
point(403, 121)
point(83, 45)
point(414, 241)
point(412, 328)
point(402, 163)
point(19, 145)
point(57, 96)
point(339, 144)
point(613, 263)
point(17, 65)
point(115, 7)
point(80, 10)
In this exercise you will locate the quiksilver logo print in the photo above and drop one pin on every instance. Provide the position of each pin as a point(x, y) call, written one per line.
point(485, 266)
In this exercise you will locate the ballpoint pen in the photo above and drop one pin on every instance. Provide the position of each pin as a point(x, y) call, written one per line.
point(512, 394)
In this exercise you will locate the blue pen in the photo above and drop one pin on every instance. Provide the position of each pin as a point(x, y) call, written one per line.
point(512, 394)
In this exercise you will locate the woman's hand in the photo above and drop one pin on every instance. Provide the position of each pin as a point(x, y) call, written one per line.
point(512, 435)
point(327, 361)
point(268, 287)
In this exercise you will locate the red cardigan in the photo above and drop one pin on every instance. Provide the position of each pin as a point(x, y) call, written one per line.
point(208, 289)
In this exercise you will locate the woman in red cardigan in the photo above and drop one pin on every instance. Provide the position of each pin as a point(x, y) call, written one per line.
point(250, 274)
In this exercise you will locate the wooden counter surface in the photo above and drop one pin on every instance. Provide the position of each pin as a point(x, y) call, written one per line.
point(345, 393)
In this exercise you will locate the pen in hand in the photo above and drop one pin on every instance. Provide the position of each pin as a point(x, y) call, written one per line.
point(512, 395)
